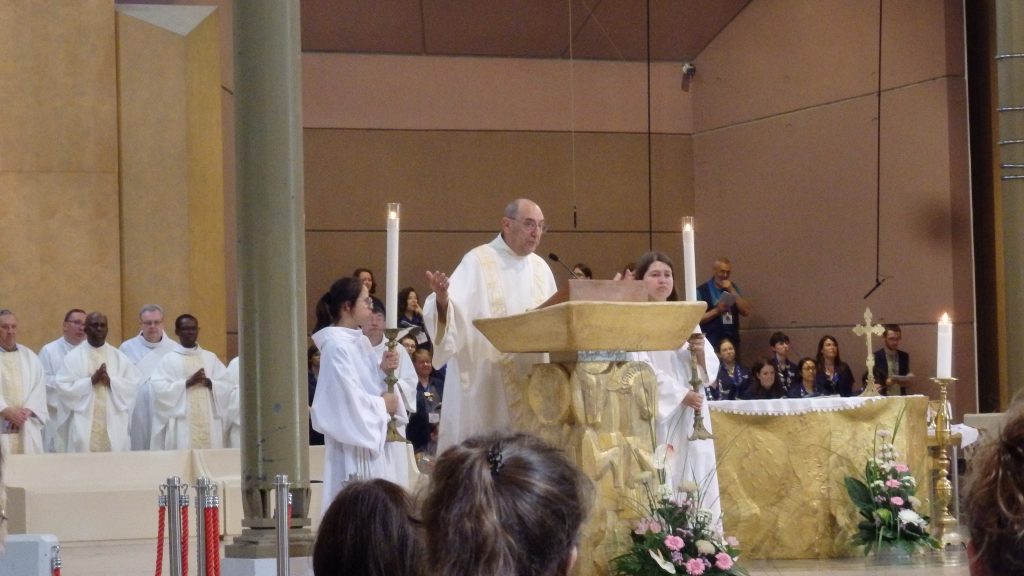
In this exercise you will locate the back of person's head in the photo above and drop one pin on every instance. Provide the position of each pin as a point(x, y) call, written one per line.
point(328, 308)
point(504, 505)
point(995, 501)
point(369, 530)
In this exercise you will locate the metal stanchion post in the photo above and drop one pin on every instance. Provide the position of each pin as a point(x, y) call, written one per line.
point(281, 484)
point(174, 525)
point(202, 493)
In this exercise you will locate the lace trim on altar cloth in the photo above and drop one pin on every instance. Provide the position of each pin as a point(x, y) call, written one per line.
point(793, 406)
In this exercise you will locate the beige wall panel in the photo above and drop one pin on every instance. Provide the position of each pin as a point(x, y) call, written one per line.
point(917, 221)
point(154, 181)
point(65, 251)
point(57, 85)
point(207, 296)
point(921, 40)
point(436, 93)
point(782, 55)
point(172, 171)
point(462, 180)
point(791, 200)
point(230, 222)
point(672, 181)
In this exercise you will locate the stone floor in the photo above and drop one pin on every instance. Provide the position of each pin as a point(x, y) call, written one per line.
point(137, 558)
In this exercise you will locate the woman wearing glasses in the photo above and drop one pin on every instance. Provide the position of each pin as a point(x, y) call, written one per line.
point(352, 407)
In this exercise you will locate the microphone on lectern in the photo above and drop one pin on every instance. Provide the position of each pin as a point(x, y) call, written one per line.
point(554, 258)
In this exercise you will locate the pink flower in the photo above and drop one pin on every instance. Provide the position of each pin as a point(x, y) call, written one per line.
point(694, 566)
point(900, 467)
point(732, 541)
point(723, 561)
point(674, 543)
point(654, 526)
point(896, 501)
point(893, 483)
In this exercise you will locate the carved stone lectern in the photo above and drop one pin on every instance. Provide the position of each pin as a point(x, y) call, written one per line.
point(590, 399)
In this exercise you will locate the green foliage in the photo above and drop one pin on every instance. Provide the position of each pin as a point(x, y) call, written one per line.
point(886, 502)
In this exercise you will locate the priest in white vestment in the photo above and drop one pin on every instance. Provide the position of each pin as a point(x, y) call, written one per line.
point(501, 278)
point(146, 350)
point(191, 393)
point(22, 392)
point(52, 356)
point(97, 387)
point(352, 407)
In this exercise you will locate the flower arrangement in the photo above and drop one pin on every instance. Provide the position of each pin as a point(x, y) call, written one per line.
point(676, 537)
point(886, 501)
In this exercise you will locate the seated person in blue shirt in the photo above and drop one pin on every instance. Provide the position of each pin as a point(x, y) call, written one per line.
point(733, 378)
point(834, 375)
point(807, 386)
point(785, 369)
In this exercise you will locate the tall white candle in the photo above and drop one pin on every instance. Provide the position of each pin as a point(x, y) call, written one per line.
point(391, 291)
point(944, 363)
point(689, 264)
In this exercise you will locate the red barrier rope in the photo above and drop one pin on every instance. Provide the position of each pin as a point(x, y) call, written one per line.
point(161, 517)
point(212, 549)
point(216, 530)
point(184, 540)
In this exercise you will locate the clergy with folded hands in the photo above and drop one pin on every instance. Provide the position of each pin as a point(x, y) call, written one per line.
point(191, 393)
point(96, 387)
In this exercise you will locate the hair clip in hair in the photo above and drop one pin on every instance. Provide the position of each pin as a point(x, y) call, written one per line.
point(495, 460)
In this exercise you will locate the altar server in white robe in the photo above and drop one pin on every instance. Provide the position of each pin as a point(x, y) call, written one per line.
point(146, 350)
point(97, 387)
point(686, 461)
point(23, 411)
point(52, 356)
point(352, 407)
point(407, 379)
point(497, 279)
point(191, 392)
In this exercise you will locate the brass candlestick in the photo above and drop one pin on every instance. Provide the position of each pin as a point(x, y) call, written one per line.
point(943, 523)
point(391, 379)
point(699, 431)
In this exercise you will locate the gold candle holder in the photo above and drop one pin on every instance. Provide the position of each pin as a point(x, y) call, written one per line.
point(391, 379)
point(700, 432)
point(944, 525)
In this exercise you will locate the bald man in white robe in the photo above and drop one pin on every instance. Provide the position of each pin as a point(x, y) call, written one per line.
point(23, 407)
point(146, 350)
point(501, 278)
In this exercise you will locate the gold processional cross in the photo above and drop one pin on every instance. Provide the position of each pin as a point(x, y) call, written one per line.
point(867, 330)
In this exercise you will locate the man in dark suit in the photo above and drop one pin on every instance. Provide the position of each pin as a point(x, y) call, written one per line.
point(890, 360)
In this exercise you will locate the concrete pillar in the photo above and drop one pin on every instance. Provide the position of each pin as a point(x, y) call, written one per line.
point(271, 271)
point(1010, 191)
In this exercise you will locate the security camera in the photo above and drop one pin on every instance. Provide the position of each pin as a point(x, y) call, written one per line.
point(689, 69)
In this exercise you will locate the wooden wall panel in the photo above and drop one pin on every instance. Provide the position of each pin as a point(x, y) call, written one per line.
point(172, 193)
point(58, 163)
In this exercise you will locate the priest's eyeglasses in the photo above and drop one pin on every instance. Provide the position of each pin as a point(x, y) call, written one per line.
point(530, 224)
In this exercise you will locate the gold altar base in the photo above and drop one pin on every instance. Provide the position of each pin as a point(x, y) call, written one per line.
point(602, 414)
point(781, 477)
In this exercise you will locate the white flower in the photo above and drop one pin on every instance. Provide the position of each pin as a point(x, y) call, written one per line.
point(705, 547)
point(665, 564)
point(660, 456)
point(688, 486)
point(910, 517)
point(914, 502)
